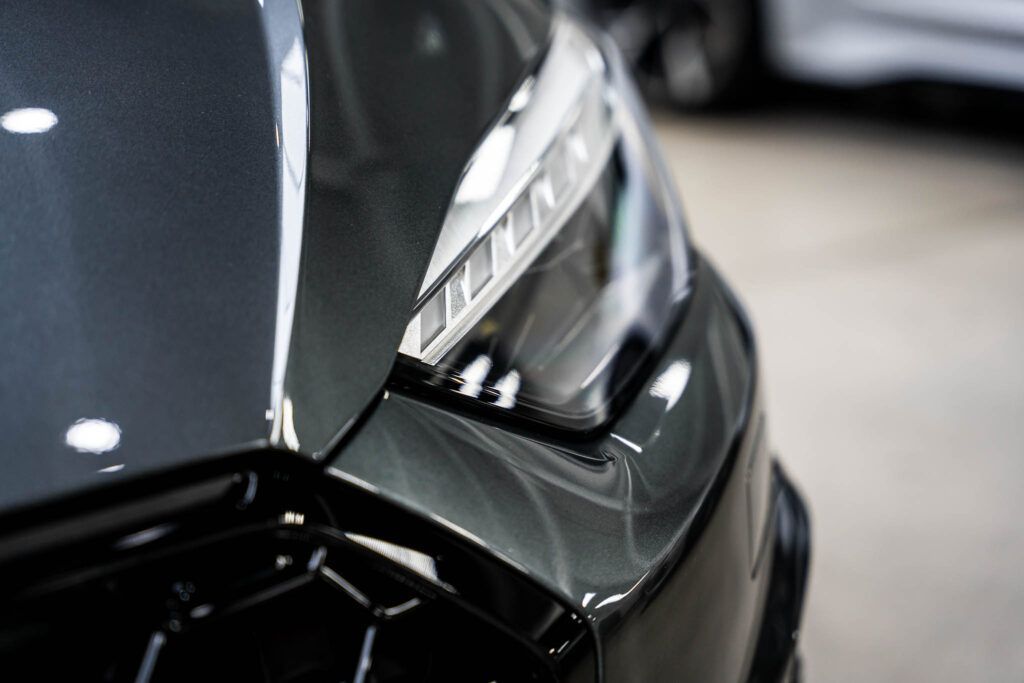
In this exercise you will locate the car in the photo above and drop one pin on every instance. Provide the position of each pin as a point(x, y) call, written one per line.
point(366, 341)
point(704, 53)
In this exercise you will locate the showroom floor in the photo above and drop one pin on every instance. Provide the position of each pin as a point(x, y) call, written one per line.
point(883, 264)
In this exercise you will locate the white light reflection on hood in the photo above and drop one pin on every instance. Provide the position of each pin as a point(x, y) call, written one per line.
point(671, 383)
point(93, 436)
point(28, 121)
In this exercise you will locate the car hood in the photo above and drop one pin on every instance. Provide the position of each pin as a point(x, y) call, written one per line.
point(216, 216)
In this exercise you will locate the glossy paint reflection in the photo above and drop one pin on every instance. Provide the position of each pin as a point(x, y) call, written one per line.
point(546, 505)
point(671, 383)
point(611, 521)
point(28, 121)
point(270, 202)
point(391, 130)
point(93, 436)
point(286, 47)
point(140, 239)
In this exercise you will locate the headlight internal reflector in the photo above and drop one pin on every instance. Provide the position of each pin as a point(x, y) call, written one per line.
point(562, 257)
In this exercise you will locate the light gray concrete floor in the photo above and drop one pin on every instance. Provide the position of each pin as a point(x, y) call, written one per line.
point(883, 265)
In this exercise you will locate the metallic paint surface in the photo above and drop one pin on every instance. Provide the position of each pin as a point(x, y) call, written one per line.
point(145, 285)
point(139, 245)
point(176, 262)
point(608, 523)
point(400, 95)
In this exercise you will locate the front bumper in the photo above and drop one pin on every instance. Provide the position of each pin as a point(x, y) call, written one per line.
point(668, 549)
point(776, 659)
point(657, 532)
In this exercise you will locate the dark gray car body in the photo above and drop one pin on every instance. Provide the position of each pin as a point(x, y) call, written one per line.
point(183, 255)
point(144, 234)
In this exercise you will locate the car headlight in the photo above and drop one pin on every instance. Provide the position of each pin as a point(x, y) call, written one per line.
point(562, 259)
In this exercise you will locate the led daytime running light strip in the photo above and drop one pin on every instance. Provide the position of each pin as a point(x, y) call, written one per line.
point(549, 195)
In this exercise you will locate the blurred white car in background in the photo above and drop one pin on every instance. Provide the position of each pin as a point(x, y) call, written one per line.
point(703, 52)
point(868, 42)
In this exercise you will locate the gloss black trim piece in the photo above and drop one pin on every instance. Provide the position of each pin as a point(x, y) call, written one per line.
point(206, 520)
point(776, 654)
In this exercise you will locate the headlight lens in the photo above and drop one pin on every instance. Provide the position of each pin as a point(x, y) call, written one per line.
point(562, 259)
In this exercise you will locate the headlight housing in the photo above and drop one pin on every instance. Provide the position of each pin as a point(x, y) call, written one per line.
point(562, 259)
